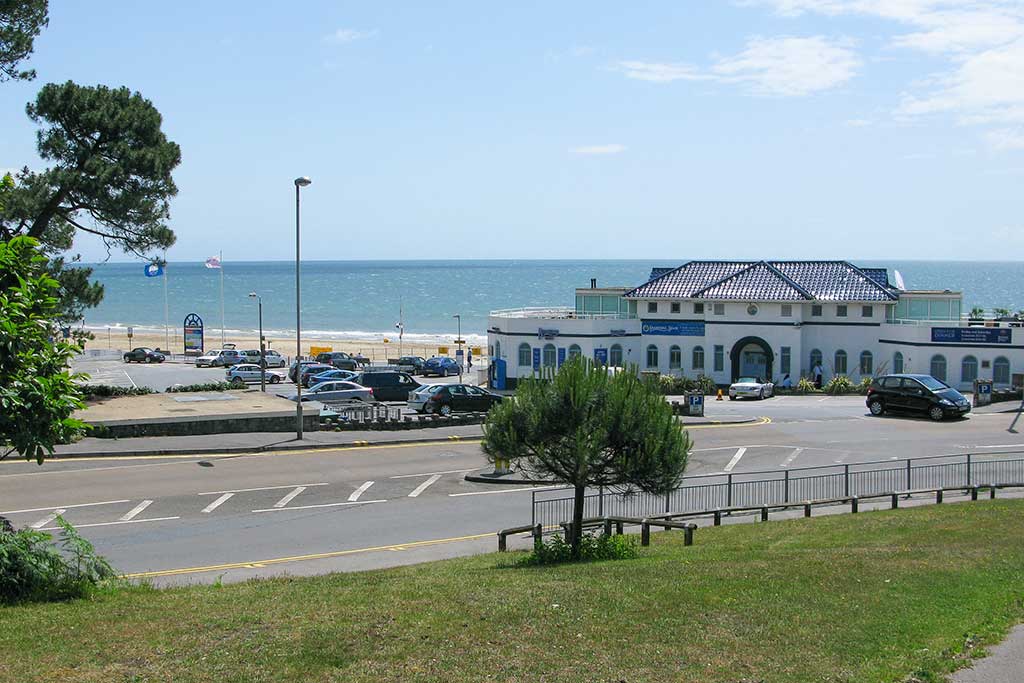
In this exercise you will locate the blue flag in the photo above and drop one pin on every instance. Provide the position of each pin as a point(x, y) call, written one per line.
point(154, 270)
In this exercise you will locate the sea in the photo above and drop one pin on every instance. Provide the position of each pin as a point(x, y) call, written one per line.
point(368, 299)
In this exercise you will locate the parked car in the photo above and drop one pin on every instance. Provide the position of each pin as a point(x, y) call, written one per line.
point(445, 399)
point(751, 387)
point(221, 357)
point(916, 394)
point(144, 355)
point(337, 391)
point(332, 376)
point(338, 359)
point(307, 372)
point(273, 358)
point(297, 364)
point(249, 372)
point(387, 385)
point(411, 364)
point(442, 366)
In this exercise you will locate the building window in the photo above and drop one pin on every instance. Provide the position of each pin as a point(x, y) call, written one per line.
point(937, 368)
point(969, 369)
point(840, 362)
point(615, 357)
point(1001, 371)
point(816, 311)
point(698, 358)
point(867, 311)
point(752, 309)
point(719, 358)
point(652, 356)
point(815, 359)
point(897, 363)
point(675, 358)
point(698, 309)
point(675, 307)
point(867, 363)
point(787, 310)
point(841, 311)
point(719, 309)
point(549, 355)
point(652, 306)
point(497, 350)
point(784, 360)
point(575, 351)
point(525, 356)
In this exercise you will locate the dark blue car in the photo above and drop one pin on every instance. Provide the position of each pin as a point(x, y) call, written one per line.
point(442, 366)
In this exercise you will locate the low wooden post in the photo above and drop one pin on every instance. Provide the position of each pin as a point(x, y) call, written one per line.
point(992, 491)
point(645, 533)
point(895, 501)
point(764, 513)
point(974, 492)
point(938, 496)
point(807, 508)
point(567, 526)
point(538, 532)
point(854, 504)
point(607, 527)
point(688, 534)
point(718, 518)
point(618, 528)
point(502, 543)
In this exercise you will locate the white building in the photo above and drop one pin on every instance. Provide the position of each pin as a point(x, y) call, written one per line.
point(724, 319)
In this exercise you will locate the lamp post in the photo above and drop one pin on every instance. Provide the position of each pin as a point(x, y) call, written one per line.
point(300, 182)
point(458, 341)
point(263, 353)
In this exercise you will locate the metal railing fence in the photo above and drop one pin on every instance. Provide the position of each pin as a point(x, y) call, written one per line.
point(769, 487)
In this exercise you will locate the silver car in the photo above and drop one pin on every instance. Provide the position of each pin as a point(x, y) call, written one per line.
point(223, 357)
point(248, 372)
point(337, 391)
point(750, 387)
point(418, 398)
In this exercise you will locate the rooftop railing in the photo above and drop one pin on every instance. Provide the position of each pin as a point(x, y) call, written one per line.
point(557, 313)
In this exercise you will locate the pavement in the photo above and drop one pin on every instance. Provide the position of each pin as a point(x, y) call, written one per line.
point(1004, 663)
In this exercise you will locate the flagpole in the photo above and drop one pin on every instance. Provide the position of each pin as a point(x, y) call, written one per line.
point(220, 260)
point(167, 316)
point(401, 328)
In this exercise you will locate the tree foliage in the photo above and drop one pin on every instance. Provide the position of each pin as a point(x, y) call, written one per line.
point(586, 428)
point(20, 22)
point(37, 392)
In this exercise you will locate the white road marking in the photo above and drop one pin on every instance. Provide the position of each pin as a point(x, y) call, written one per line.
point(792, 457)
point(423, 487)
point(321, 505)
point(735, 459)
point(262, 488)
point(426, 474)
point(131, 514)
point(484, 493)
point(1008, 445)
point(136, 386)
point(217, 503)
point(48, 518)
point(288, 498)
point(63, 507)
point(359, 491)
point(130, 521)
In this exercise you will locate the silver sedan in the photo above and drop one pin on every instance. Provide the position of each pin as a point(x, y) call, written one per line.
point(337, 391)
point(750, 387)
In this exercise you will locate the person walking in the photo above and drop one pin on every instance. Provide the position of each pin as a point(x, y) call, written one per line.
point(469, 360)
point(817, 376)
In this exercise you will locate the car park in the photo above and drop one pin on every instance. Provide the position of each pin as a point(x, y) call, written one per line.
point(337, 392)
point(249, 372)
point(921, 394)
point(445, 399)
point(411, 364)
point(143, 354)
point(442, 366)
point(751, 387)
point(272, 358)
point(293, 368)
point(387, 385)
point(331, 375)
point(338, 359)
point(220, 357)
point(307, 372)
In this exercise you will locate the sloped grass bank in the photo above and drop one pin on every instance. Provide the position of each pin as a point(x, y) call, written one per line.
point(879, 596)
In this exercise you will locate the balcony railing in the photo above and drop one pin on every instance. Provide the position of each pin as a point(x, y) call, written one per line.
point(557, 313)
point(961, 322)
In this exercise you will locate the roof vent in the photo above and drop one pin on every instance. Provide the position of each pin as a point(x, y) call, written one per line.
point(593, 283)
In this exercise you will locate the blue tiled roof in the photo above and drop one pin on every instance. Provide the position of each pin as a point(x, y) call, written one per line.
point(658, 272)
point(879, 275)
point(766, 281)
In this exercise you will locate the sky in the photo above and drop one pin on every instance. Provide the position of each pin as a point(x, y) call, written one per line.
point(860, 129)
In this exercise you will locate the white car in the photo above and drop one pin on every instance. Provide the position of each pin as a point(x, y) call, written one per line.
point(337, 391)
point(418, 398)
point(223, 357)
point(248, 372)
point(273, 358)
point(750, 387)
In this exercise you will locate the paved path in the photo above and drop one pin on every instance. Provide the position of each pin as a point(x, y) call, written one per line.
point(1005, 663)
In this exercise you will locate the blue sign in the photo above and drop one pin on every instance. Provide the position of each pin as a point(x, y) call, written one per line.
point(972, 335)
point(696, 399)
point(673, 328)
point(154, 270)
point(601, 356)
point(536, 360)
point(561, 356)
point(984, 388)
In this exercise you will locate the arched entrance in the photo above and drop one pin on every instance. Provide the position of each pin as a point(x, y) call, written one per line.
point(752, 357)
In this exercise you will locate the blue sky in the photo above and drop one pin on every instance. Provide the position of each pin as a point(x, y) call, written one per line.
point(758, 128)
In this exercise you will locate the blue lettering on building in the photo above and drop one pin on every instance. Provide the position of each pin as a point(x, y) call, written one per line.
point(601, 356)
point(675, 328)
point(972, 335)
point(536, 359)
point(561, 356)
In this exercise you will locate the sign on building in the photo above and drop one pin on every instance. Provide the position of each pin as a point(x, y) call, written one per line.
point(972, 335)
point(193, 328)
point(674, 328)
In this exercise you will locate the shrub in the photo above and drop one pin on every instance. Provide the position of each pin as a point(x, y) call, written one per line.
point(106, 391)
point(209, 386)
point(806, 386)
point(35, 568)
point(865, 384)
point(592, 548)
point(706, 385)
point(840, 384)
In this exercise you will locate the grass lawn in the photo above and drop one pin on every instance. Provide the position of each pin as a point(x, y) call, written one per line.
point(879, 596)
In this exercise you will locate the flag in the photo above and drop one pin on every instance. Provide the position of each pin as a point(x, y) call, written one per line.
point(154, 270)
point(213, 262)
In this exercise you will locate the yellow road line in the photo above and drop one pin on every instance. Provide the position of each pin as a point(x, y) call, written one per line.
point(300, 558)
point(723, 425)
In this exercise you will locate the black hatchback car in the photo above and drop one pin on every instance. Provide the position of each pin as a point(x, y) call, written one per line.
point(917, 394)
point(387, 385)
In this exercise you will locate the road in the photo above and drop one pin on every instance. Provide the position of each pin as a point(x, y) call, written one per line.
point(197, 518)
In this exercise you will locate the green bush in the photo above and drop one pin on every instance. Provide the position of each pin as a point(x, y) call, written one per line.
point(35, 568)
point(107, 391)
point(209, 386)
point(592, 548)
point(862, 388)
point(840, 384)
point(669, 385)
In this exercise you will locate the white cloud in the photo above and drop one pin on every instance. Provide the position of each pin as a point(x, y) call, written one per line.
point(349, 35)
point(786, 66)
point(599, 149)
point(858, 123)
point(1006, 138)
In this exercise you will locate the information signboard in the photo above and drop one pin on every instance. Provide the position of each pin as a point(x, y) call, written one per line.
point(561, 356)
point(973, 335)
point(536, 360)
point(193, 327)
point(674, 328)
point(601, 356)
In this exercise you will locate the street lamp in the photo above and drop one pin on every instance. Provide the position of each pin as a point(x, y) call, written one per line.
point(263, 353)
point(301, 181)
point(458, 341)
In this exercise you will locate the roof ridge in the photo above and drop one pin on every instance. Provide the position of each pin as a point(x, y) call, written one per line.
point(876, 284)
point(770, 268)
point(793, 283)
point(655, 279)
point(726, 278)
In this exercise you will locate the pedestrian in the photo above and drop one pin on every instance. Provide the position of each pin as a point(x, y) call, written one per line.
point(787, 383)
point(817, 375)
point(469, 361)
